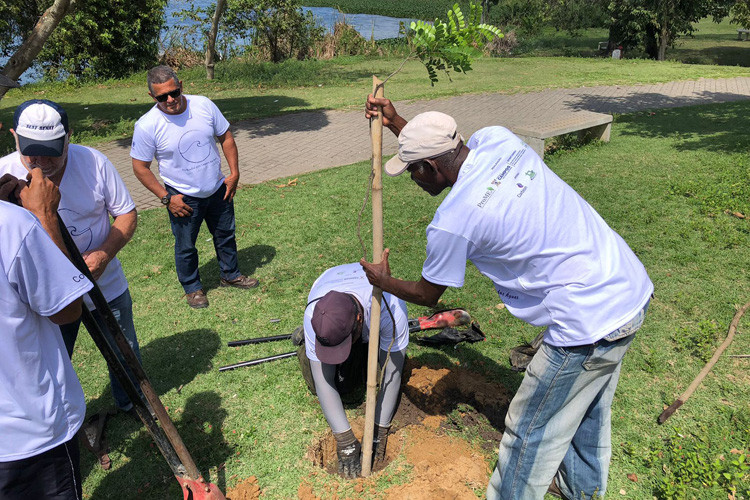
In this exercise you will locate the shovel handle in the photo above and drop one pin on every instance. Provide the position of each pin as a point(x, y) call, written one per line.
point(259, 340)
point(258, 361)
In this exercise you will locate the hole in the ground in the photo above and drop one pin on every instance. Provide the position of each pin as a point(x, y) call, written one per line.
point(436, 400)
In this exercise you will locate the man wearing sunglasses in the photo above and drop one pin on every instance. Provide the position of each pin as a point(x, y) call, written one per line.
point(181, 131)
point(554, 263)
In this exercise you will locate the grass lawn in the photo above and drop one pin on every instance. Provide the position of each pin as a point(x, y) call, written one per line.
point(711, 43)
point(663, 182)
point(106, 111)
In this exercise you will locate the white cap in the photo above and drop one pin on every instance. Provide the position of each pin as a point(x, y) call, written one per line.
point(427, 135)
point(41, 127)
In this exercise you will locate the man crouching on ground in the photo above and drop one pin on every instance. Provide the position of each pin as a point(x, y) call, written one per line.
point(333, 357)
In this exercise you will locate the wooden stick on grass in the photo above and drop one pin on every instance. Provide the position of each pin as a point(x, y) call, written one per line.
point(376, 134)
point(694, 385)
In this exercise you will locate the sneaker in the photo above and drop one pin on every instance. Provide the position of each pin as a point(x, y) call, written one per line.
point(240, 281)
point(197, 299)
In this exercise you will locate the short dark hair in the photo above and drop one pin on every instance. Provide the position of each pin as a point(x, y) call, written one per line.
point(160, 74)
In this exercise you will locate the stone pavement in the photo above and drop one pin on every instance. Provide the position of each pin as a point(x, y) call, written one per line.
point(293, 144)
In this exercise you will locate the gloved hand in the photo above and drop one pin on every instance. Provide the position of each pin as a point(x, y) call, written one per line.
point(9, 187)
point(379, 443)
point(348, 451)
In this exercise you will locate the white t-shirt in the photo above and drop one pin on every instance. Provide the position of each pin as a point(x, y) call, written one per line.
point(552, 258)
point(184, 145)
point(90, 191)
point(41, 400)
point(351, 279)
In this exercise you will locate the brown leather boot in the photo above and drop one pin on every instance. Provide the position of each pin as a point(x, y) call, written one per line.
point(197, 299)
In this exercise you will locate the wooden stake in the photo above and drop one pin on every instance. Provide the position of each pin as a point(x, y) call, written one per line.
point(376, 134)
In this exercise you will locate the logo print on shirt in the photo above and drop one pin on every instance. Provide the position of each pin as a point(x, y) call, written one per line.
point(522, 188)
point(194, 147)
point(531, 174)
point(487, 195)
point(82, 237)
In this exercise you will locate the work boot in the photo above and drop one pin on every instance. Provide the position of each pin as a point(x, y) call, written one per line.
point(298, 336)
point(240, 281)
point(554, 490)
point(197, 299)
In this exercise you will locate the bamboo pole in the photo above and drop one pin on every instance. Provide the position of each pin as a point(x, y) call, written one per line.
point(376, 135)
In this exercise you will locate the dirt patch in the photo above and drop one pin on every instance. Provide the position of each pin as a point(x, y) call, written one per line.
point(448, 424)
point(246, 490)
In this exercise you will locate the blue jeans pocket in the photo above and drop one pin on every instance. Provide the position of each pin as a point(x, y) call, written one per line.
point(605, 354)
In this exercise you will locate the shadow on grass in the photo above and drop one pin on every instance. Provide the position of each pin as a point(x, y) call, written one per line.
point(715, 128)
point(146, 473)
point(644, 101)
point(721, 55)
point(250, 260)
point(170, 362)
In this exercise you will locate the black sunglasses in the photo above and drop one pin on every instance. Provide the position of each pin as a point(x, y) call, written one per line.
point(173, 94)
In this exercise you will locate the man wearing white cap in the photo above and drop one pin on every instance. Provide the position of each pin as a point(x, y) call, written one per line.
point(91, 190)
point(554, 263)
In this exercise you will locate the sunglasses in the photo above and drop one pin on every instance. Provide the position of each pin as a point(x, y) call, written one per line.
point(173, 94)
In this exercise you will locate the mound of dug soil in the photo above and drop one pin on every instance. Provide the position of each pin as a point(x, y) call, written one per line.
point(246, 490)
point(443, 465)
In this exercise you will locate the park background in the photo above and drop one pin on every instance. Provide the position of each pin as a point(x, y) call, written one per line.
point(675, 183)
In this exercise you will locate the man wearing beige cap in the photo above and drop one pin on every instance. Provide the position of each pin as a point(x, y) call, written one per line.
point(554, 263)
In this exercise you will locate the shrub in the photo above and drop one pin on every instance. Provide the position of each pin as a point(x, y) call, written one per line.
point(278, 28)
point(502, 46)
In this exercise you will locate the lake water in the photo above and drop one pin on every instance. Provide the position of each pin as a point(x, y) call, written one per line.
point(368, 25)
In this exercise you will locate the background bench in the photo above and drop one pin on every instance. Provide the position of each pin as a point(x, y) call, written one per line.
point(589, 125)
point(741, 32)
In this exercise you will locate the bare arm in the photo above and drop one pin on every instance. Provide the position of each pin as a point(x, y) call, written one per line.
point(142, 170)
point(420, 292)
point(229, 147)
point(120, 233)
point(68, 314)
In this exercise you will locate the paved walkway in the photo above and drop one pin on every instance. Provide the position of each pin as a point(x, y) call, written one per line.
point(296, 143)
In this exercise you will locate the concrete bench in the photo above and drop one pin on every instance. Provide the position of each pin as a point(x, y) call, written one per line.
point(589, 125)
point(603, 46)
point(741, 32)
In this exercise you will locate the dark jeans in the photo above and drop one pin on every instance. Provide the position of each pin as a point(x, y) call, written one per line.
point(219, 217)
point(122, 308)
point(52, 475)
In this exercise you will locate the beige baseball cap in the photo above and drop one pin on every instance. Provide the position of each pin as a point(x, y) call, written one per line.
point(427, 135)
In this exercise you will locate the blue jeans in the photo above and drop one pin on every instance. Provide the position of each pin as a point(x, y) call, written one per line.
point(558, 423)
point(219, 217)
point(122, 308)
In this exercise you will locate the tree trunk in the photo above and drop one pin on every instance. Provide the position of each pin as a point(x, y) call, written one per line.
point(663, 44)
point(211, 45)
point(651, 44)
point(30, 48)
